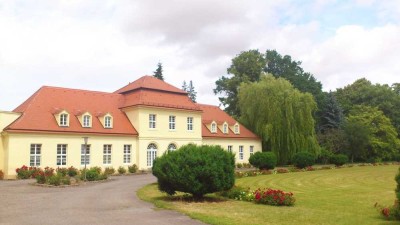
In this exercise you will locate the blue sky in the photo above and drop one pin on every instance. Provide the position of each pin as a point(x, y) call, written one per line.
point(104, 44)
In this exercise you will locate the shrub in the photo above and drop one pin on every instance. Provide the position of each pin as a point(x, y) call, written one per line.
point(263, 160)
point(274, 197)
point(239, 165)
point(121, 170)
point(339, 159)
point(92, 175)
point(197, 170)
point(109, 171)
point(133, 168)
point(303, 159)
point(310, 168)
point(238, 193)
point(1, 175)
point(66, 180)
point(55, 180)
point(72, 171)
point(62, 171)
point(23, 172)
point(282, 170)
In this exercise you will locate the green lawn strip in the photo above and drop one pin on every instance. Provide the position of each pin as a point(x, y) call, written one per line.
point(339, 196)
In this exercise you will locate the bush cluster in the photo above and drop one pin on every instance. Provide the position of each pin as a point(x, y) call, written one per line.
point(108, 170)
point(263, 160)
point(265, 196)
point(339, 159)
point(121, 170)
point(133, 168)
point(94, 174)
point(303, 159)
point(25, 172)
point(197, 170)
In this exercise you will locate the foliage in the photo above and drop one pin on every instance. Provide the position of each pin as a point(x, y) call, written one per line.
point(324, 156)
point(133, 168)
point(333, 140)
point(94, 174)
point(192, 94)
point(72, 171)
point(392, 212)
point(238, 193)
point(281, 115)
point(121, 170)
point(24, 172)
point(363, 92)
point(55, 180)
point(274, 197)
point(197, 170)
point(239, 165)
point(339, 159)
point(246, 67)
point(62, 171)
point(1, 175)
point(263, 160)
point(331, 115)
point(109, 171)
point(303, 159)
point(282, 170)
point(369, 130)
point(159, 72)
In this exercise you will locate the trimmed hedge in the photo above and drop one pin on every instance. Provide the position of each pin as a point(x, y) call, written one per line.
point(263, 160)
point(197, 170)
point(339, 159)
point(303, 159)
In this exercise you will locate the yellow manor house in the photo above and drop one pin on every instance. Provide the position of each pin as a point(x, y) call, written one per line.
point(129, 126)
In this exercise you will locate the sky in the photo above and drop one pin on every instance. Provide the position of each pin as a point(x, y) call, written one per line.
point(103, 45)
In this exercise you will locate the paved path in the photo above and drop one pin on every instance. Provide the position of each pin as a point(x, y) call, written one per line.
point(113, 202)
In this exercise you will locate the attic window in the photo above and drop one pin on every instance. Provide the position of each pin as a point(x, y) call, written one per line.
point(213, 128)
point(64, 120)
point(225, 128)
point(108, 122)
point(86, 121)
point(236, 129)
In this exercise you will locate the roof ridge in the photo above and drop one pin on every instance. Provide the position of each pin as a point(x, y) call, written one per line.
point(80, 90)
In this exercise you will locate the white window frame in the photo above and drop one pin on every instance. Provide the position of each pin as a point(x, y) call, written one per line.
point(241, 155)
point(251, 150)
point(86, 120)
point(213, 128)
point(151, 154)
point(83, 154)
point(225, 128)
point(172, 122)
point(35, 155)
point(127, 154)
point(61, 154)
point(230, 148)
point(107, 151)
point(152, 121)
point(236, 127)
point(190, 123)
point(108, 122)
point(172, 147)
point(64, 118)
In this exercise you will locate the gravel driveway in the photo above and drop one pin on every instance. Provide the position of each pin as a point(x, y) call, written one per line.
point(112, 202)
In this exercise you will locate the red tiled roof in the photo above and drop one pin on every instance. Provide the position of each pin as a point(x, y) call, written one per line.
point(38, 111)
point(214, 113)
point(150, 82)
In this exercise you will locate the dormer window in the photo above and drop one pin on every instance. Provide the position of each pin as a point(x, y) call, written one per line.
point(236, 129)
point(225, 128)
point(108, 122)
point(87, 121)
point(213, 127)
point(64, 120)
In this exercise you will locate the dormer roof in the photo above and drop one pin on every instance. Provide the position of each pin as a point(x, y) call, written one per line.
point(150, 83)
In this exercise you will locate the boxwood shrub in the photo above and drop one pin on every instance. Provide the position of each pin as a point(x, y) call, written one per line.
point(303, 159)
point(197, 170)
point(339, 159)
point(263, 160)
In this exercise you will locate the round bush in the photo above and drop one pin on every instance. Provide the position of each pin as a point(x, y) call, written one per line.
point(197, 170)
point(303, 159)
point(339, 159)
point(263, 160)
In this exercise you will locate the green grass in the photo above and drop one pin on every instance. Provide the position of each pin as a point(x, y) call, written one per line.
point(339, 196)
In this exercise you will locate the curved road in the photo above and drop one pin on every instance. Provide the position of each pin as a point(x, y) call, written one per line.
point(108, 203)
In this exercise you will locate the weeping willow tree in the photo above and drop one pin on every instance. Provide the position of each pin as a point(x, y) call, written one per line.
point(281, 115)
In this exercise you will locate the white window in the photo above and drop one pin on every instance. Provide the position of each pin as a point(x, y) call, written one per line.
point(251, 150)
point(35, 154)
point(241, 152)
point(171, 147)
point(152, 121)
point(230, 147)
point(107, 154)
point(127, 154)
point(225, 128)
point(83, 160)
point(108, 122)
point(61, 155)
point(213, 128)
point(236, 129)
point(190, 123)
point(64, 120)
point(172, 122)
point(151, 154)
point(86, 121)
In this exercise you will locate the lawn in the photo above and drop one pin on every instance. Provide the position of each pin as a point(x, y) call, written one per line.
point(337, 196)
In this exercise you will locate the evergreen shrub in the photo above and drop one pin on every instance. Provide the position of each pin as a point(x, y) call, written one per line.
point(263, 160)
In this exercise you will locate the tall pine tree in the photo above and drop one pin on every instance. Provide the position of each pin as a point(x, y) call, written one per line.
point(192, 92)
point(158, 73)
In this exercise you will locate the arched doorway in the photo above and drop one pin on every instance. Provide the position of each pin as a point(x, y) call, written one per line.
point(151, 154)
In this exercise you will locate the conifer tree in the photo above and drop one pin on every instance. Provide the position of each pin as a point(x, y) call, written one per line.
point(192, 92)
point(158, 73)
point(184, 86)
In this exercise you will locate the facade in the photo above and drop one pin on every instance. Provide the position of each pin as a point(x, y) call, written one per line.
point(132, 125)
